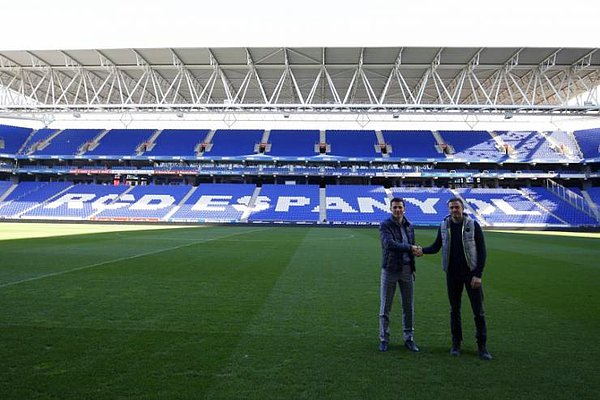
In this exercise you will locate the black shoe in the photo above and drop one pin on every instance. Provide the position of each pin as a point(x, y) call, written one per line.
point(484, 354)
point(455, 350)
point(383, 346)
point(412, 346)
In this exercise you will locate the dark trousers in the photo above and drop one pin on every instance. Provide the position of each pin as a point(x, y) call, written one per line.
point(455, 288)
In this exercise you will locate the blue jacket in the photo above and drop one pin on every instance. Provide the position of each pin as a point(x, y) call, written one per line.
point(392, 247)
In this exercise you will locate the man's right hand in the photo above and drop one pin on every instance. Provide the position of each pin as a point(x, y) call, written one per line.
point(417, 251)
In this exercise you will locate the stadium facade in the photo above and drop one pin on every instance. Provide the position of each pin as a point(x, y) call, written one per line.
point(301, 135)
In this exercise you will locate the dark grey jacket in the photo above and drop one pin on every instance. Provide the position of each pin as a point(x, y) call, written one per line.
point(392, 247)
point(473, 244)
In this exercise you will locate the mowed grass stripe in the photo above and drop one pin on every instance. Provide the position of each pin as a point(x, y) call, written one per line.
point(28, 230)
point(121, 259)
point(288, 313)
point(542, 317)
point(558, 274)
point(26, 258)
point(306, 344)
point(312, 324)
point(153, 328)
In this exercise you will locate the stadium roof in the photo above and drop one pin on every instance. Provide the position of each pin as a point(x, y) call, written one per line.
point(301, 79)
point(340, 57)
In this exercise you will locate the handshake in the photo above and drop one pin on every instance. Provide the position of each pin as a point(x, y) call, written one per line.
point(417, 251)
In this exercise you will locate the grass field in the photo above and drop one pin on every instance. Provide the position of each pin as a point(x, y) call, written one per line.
point(258, 312)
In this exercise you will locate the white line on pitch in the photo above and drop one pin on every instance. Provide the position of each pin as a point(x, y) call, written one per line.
point(35, 278)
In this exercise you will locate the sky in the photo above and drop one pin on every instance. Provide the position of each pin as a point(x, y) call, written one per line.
point(81, 24)
point(113, 24)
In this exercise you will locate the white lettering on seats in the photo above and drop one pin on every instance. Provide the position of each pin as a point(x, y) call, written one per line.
point(427, 206)
point(212, 203)
point(337, 203)
point(72, 200)
point(285, 202)
point(153, 202)
point(366, 204)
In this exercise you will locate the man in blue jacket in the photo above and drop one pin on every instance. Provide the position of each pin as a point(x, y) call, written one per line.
point(463, 257)
point(397, 268)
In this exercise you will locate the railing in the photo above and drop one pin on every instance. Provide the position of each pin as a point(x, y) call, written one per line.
point(571, 197)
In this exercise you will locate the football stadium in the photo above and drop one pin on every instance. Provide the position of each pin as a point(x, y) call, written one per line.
point(201, 221)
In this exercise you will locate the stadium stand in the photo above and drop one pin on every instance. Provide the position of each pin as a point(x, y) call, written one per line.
point(151, 203)
point(293, 143)
point(566, 143)
point(173, 143)
point(507, 207)
point(356, 204)
point(78, 203)
point(418, 145)
point(234, 142)
point(594, 193)
point(530, 146)
point(558, 207)
point(13, 138)
point(215, 203)
point(37, 140)
point(29, 195)
point(4, 186)
point(68, 142)
point(424, 206)
point(171, 167)
point(352, 144)
point(291, 203)
point(348, 204)
point(121, 142)
point(472, 145)
point(301, 136)
point(589, 142)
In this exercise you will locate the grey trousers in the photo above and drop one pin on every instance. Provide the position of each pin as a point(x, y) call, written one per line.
point(387, 290)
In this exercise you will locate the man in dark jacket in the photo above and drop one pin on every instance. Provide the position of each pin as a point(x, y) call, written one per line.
point(463, 258)
point(397, 268)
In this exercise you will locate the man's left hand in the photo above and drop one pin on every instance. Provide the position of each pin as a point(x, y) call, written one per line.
point(475, 282)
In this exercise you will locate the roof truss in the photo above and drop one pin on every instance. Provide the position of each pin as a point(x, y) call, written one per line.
point(301, 80)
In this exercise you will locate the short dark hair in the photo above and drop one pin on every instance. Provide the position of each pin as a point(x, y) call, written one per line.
point(398, 200)
point(453, 199)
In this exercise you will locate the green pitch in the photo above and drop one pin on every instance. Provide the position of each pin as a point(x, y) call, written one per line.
point(256, 312)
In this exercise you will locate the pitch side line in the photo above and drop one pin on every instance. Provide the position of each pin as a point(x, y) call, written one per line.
point(167, 239)
point(124, 259)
